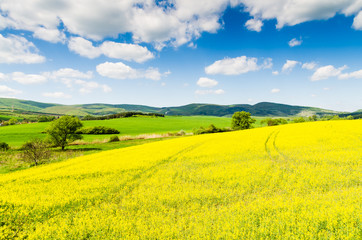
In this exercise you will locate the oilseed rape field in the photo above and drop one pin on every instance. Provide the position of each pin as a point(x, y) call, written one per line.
point(296, 181)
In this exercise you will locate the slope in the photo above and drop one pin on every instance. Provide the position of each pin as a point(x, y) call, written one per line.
point(297, 181)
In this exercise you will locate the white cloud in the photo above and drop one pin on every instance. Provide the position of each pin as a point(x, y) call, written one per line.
point(298, 11)
point(295, 42)
point(6, 91)
point(175, 22)
point(56, 95)
point(289, 65)
point(90, 86)
point(83, 47)
point(15, 49)
point(237, 66)
point(326, 72)
point(275, 90)
point(254, 25)
point(309, 65)
point(206, 82)
point(50, 35)
point(275, 73)
point(70, 73)
point(148, 21)
point(120, 70)
point(356, 74)
point(128, 52)
point(205, 92)
point(357, 22)
point(28, 78)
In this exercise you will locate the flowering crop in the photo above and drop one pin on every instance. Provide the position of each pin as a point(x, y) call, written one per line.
point(296, 181)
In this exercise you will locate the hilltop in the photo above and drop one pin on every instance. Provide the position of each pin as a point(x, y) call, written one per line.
point(259, 109)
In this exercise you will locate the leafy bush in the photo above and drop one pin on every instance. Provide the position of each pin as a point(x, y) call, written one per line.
point(299, 120)
point(274, 121)
point(46, 118)
point(113, 139)
point(4, 146)
point(36, 151)
point(97, 130)
point(210, 129)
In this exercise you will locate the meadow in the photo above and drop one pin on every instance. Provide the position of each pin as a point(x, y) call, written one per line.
point(16, 135)
point(295, 181)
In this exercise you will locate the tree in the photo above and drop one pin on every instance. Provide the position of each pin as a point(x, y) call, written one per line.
point(242, 120)
point(4, 146)
point(13, 121)
point(63, 130)
point(35, 151)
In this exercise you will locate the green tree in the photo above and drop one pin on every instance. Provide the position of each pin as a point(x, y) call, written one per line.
point(242, 120)
point(63, 130)
point(13, 121)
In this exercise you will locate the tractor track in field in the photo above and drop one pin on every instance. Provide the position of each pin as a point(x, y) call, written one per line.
point(270, 145)
point(128, 187)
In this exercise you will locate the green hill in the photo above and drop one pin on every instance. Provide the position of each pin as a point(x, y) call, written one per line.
point(259, 109)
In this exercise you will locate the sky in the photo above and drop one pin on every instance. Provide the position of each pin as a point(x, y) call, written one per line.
point(177, 52)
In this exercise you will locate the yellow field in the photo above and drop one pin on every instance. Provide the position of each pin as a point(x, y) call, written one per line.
point(297, 181)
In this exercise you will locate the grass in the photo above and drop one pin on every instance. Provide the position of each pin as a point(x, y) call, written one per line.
point(16, 135)
point(295, 181)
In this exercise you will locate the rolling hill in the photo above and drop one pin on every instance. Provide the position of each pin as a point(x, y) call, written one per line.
point(259, 109)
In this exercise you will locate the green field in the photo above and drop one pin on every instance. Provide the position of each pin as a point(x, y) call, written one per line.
point(16, 135)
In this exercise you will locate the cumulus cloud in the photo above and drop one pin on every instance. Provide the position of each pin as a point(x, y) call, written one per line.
point(69, 73)
point(254, 25)
point(309, 65)
point(356, 75)
point(15, 49)
point(90, 86)
point(205, 92)
point(97, 19)
point(50, 35)
point(186, 19)
point(56, 95)
point(120, 70)
point(83, 47)
point(326, 72)
point(236, 66)
point(289, 65)
point(206, 82)
point(6, 91)
point(128, 52)
point(295, 42)
point(275, 90)
point(275, 73)
point(28, 79)
point(290, 13)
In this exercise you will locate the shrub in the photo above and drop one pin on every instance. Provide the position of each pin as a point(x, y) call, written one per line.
point(210, 129)
point(113, 139)
point(36, 151)
point(4, 146)
point(274, 121)
point(97, 130)
point(299, 120)
point(13, 121)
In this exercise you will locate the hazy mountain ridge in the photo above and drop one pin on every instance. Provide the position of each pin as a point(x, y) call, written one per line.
point(259, 109)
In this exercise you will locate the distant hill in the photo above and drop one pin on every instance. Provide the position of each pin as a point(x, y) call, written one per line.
point(259, 109)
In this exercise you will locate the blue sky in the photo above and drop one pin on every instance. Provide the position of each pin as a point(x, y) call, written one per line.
point(170, 53)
